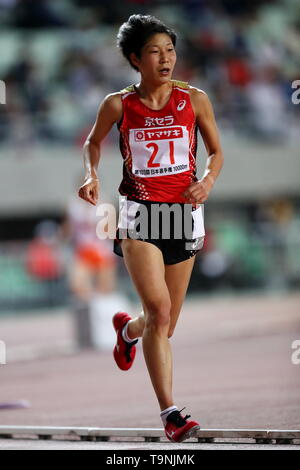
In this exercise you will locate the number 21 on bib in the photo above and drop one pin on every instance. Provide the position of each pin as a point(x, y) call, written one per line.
point(159, 151)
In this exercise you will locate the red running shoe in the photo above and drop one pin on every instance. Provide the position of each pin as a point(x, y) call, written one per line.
point(124, 353)
point(178, 429)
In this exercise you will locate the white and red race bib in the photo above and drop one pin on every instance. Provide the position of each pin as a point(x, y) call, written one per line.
point(159, 151)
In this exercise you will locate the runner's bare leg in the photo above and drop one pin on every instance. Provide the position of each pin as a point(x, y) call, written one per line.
point(145, 265)
point(177, 277)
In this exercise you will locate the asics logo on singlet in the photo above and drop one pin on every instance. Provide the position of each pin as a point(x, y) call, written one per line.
point(181, 105)
point(171, 434)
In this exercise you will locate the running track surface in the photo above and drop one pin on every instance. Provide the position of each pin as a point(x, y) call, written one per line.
point(232, 369)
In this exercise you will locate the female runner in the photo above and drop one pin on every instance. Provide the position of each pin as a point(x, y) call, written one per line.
point(158, 120)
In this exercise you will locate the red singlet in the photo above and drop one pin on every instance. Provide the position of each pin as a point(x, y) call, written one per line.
point(158, 147)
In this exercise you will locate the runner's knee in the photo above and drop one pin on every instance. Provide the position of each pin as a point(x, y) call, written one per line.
point(158, 315)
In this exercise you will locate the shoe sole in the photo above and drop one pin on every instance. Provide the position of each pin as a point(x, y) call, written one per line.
point(190, 433)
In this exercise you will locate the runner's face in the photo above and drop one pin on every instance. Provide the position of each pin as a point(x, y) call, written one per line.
point(158, 58)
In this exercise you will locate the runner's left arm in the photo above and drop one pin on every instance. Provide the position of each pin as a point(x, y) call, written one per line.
point(198, 192)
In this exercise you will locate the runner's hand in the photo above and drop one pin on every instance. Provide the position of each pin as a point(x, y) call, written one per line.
point(89, 191)
point(198, 192)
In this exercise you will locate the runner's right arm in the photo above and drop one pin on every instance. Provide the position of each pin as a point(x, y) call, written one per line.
point(109, 112)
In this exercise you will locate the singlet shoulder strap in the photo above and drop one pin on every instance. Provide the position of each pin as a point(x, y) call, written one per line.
point(180, 84)
point(129, 88)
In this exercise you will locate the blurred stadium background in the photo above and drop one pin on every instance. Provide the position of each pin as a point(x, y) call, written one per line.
point(58, 60)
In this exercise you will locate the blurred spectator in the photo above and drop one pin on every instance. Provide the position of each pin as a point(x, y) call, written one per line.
point(92, 275)
point(93, 268)
point(28, 106)
point(44, 261)
point(238, 70)
point(213, 264)
point(274, 223)
point(268, 106)
point(8, 3)
point(36, 14)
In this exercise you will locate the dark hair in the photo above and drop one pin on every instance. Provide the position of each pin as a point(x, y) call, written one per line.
point(137, 30)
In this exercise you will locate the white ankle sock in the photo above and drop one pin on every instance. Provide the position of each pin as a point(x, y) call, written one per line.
point(125, 336)
point(166, 412)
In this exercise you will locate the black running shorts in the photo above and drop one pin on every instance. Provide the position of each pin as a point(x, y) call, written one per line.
point(177, 229)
